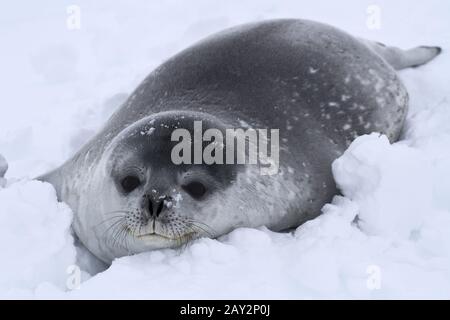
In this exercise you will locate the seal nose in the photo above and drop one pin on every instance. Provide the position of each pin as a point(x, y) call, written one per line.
point(156, 205)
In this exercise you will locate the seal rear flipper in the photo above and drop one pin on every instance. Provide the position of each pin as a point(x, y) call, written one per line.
point(401, 59)
point(423, 54)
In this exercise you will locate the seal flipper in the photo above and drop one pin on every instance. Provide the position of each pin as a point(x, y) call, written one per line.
point(3, 166)
point(53, 177)
point(401, 59)
point(3, 169)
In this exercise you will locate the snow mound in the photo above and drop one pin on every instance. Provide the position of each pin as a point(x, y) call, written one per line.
point(390, 183)
point(35, 240)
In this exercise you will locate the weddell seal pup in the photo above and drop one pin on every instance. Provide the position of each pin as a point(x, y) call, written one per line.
point(306, 89)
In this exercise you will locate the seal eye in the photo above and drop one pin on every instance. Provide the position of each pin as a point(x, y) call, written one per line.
point(195, 189)
point(129, 183)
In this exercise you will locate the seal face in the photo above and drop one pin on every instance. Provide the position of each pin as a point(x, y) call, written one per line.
point(147, 201)
point(319, 86)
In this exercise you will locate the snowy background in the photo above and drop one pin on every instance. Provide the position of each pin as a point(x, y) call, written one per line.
point(59, 85)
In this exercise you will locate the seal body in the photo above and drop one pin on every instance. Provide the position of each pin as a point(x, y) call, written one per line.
point(319, 86)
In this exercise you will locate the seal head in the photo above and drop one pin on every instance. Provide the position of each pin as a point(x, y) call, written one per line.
point(144, 201)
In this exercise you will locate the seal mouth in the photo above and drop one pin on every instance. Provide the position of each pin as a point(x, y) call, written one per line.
point(154, 236)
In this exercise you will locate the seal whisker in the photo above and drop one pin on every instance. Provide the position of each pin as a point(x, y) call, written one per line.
point(121, 220)
point(197, 225)
point(124, 238)
point(178, 237)
point(202, 232)
point(113, 229)
point(109, 219)
point(202, 223)
point(117, 234)
point(114, 232)
point(121, 238)
point(117, 211)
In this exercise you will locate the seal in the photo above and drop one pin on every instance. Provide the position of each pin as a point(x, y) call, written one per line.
point(3, 169)
point(319, 86)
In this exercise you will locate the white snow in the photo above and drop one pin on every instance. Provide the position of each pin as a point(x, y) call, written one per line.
point(390, 183)
point(36, 245)
point(385, 237)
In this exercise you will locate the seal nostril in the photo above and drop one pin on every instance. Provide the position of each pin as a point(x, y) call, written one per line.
point(160, 207)
point(156, 205)
point(150, 207)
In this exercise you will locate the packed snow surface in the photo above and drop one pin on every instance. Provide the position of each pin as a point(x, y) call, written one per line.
point(386, 236)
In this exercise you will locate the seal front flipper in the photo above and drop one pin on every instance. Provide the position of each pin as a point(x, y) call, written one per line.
point(55, 178)
point(401, 59)
point(3, 169)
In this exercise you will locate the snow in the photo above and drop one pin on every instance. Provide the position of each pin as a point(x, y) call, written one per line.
point(385, 237)
point(36, 244)
point(378, 177)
